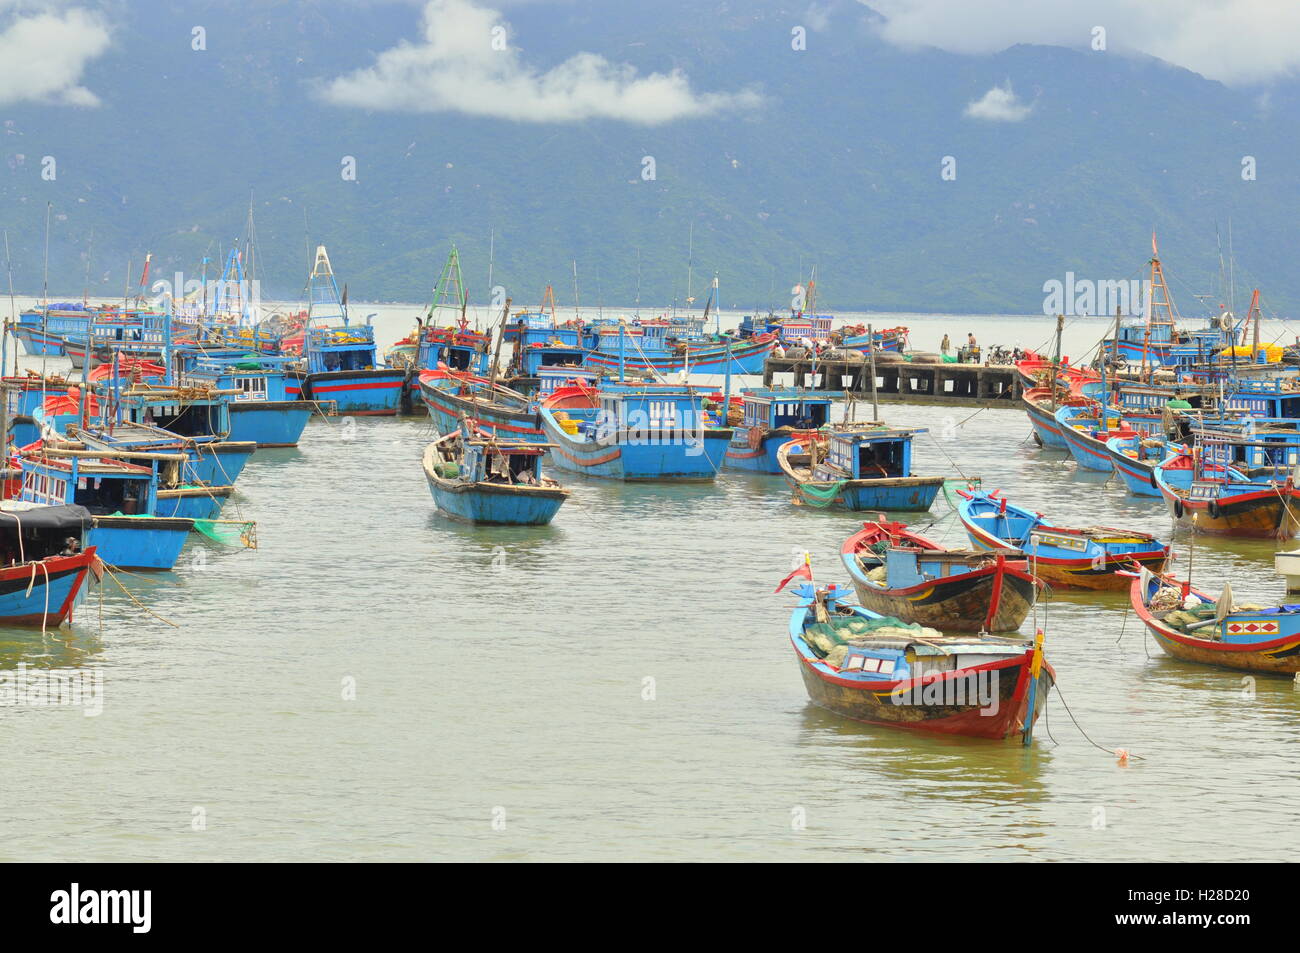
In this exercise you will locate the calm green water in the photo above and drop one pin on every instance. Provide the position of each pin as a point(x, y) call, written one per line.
point(505, 675)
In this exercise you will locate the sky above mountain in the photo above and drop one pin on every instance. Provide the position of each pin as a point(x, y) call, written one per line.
point(922, 154)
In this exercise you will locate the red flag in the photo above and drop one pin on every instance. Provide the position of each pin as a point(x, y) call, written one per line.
point(803, 572)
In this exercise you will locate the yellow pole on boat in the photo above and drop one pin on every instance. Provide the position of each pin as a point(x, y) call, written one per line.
point(1035, 668)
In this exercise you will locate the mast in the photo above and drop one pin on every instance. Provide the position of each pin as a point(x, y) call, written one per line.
point(690, 264)
point(1158, 300)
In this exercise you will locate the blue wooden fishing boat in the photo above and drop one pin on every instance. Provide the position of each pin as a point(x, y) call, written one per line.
point(1135, 457)
point(880, 670)
point(869, 468)
point(541, 342)
point(480, 478)
point(339, 358)
point(1067, 557)
point(454, 395)
point(660, 347)
point(769, 419)
point(44, 562)
point(122, 498)
point(633, 431)
point(257, 385)
point(1195, 627)
point(1086, 428)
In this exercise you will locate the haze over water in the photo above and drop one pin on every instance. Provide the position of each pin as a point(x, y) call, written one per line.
point(501, 673)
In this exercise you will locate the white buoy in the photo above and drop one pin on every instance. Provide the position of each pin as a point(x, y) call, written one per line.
point(1288, 564)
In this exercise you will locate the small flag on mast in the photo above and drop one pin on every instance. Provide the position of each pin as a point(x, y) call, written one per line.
point(802, 572)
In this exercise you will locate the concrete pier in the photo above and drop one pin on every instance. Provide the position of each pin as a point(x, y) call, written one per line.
point(903, 382)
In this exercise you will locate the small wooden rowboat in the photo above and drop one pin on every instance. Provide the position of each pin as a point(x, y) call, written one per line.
point(1214, 631)
point(480, 478)
point(871, 668)
point(900, 573)
point(1063, 557)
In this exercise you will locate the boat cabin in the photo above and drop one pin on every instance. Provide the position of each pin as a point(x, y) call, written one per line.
point(775, 409)
point(252, 377)
point(347, 348)
point(104, 486)
point(459, 349)
point(871, 454)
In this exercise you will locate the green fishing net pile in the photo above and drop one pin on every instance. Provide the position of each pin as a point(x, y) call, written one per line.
point(229, 533)
point(821, 498)
point(831, 640)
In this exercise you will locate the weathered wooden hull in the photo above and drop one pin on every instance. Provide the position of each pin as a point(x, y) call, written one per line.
point(959, 603)
point(1278, 656)
point(1271, 513)
point(880, 705)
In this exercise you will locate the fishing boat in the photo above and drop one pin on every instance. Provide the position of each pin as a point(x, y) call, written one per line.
point(481, 478)
point(1195, 627)
point(769, 419)
point(1042, 404)
point(1134, 457)
point(867, 468)
point(900, 573)
point(257, 385)
point(121, 496)
point(647, 347)
point(453, 395)
point(339, 359)
point(1063, 557)
point(1221, 500)
point(1086, 428)
point(633, 431)
point(875, 669)
point(44, 561)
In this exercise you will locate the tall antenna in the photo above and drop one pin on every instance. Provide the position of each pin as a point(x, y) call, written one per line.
point(638, 283)
point(85, 289)
point(576, 304)
point(492, 252)
point(45, 286)
point(13, 317)
point(690, 264)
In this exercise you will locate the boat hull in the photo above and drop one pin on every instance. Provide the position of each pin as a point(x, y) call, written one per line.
point(1045, 426)
point(1266, 514)
point(908, 494)
point(376, 393)
point(496, 505)
point(218, 464)
point(741, 455)
point(39, 343)
point(447, 407)
point(43, 593)
point(619, 458)
point(193, 502)
point(876, 704)
point(981, 600)
point(1138, 475)
point(269, 423)
point(139, 542)
point(712, 359)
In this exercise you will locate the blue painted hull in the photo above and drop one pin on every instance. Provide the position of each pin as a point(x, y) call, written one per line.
point(740, 456)
point(269, 423)
point(132, 542)
point(697, 459)
point(1137, 475)
point(746, 358)
point(198, 506)
point(890, 498)
point(52, 595)
point(39, 343)
point(370, 393)
point(445, 410)
point(477, 505)
point(1087, 452)
point(215, 468)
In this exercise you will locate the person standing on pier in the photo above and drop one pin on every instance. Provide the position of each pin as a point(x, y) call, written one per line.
point(945, 346)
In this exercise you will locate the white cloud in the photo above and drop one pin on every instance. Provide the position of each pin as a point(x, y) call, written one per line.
point(1238, 42)
point(999, 104)
point(43, 55)
point(455, 68)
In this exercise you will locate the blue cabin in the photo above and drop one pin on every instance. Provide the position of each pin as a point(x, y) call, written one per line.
point(339, 359)
point(539, 342)
point(769, 418)
point(123, 498)
point(863, 468)
point(634, 432)
point(258, 386)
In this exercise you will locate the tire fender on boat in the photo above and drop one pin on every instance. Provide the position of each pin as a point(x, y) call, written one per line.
point(1178, 509)
point(1213, 509)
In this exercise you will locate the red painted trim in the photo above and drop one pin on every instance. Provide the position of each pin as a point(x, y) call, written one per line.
point(377, 385)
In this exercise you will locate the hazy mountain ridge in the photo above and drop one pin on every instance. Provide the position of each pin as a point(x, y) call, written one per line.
point(840, 166)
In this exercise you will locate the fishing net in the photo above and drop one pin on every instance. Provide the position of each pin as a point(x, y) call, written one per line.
point(820, 497)
point(229, 532)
